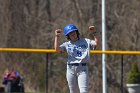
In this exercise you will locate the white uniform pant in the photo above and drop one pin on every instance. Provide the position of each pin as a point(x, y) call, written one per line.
point(77, 78)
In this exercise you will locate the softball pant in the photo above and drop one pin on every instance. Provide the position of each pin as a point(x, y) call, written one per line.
point(77, 78)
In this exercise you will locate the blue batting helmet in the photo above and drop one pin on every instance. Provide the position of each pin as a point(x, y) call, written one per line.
point(69, 28)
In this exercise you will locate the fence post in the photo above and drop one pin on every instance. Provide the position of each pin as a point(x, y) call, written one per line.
point(122, 73)
point(47, 61)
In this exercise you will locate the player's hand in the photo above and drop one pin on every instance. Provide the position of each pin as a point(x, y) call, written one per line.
point(92, 29)
point(58, 32)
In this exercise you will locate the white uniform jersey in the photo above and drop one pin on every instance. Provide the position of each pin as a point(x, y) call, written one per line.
point(79, 51)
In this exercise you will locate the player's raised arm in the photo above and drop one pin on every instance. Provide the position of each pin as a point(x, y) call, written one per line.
point(93, 32)
point(57, 39)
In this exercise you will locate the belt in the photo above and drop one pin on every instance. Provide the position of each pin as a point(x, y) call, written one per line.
point(78, 64)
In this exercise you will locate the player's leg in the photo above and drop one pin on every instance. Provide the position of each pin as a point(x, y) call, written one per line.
point(83, 79)
point(72, 80)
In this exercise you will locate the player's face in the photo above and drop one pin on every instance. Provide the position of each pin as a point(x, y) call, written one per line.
point(73, 36)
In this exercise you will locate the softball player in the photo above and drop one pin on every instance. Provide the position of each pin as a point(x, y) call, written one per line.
point(78, 50)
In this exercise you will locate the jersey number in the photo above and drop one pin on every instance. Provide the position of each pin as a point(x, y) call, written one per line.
point(79, 53)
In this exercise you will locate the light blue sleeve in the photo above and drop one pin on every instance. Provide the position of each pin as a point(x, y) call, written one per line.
point(93, 44)
point(63, 47)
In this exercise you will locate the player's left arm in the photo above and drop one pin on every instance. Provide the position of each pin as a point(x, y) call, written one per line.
point(94, 34)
